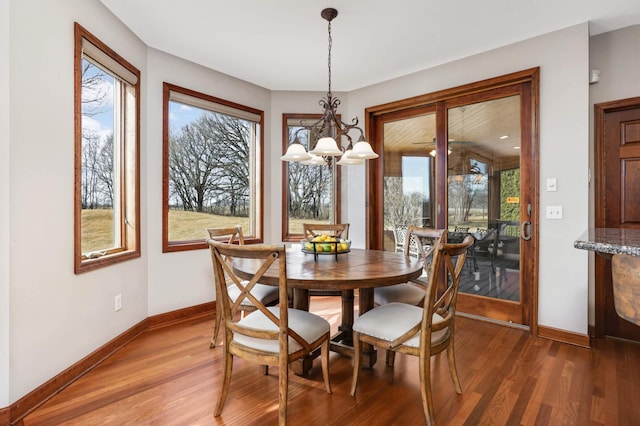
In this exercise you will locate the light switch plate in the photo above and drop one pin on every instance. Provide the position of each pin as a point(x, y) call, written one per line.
point(554, 212)
point(552, 184)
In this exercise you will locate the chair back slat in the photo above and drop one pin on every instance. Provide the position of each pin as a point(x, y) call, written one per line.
point(446, 270)
point(445, 304)
point(423, 241)
point(266, 257)
point(457, 251)
point(245, 286)
point(230, 234)
point(338, 230)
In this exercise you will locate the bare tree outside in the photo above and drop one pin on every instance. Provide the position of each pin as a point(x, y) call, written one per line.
point(97, 148)
point(212, 168)
point(310, 186)
point(209, 166)
point(401, 208)
point(467, 191)
point(97, 172)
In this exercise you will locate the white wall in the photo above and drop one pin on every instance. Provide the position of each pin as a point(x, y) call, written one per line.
point(182, 279)
point(563, 58)
point(4, 206)
point(617, 55)
point(56, 317)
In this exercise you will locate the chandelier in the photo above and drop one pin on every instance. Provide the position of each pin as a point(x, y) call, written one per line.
point(329, 128)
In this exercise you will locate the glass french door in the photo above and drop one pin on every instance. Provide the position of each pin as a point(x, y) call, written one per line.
point(465, 164)
point(483, 200)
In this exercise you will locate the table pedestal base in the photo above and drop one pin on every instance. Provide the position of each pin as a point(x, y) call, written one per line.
point(342, 342)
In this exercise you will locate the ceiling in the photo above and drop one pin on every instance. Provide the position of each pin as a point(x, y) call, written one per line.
point(488, 131)
point(283, 44)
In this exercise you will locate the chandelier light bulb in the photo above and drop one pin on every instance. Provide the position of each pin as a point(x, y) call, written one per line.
point(346, 159)
point(362, 150)
point(296, 152)
point(326, 147)
point(315, 160)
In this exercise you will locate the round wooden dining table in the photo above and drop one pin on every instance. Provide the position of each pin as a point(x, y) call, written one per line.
point(357, 269)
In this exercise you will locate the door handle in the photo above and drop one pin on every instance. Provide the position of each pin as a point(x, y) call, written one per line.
point(526, 225)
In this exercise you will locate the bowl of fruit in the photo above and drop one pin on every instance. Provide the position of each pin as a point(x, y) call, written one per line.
point(326, 245)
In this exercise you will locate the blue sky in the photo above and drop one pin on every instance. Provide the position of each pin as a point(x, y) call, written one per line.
point(181, 114)
point(101, 118)
point(415, 175)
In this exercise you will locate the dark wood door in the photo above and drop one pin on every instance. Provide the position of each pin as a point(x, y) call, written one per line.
point(617, 199)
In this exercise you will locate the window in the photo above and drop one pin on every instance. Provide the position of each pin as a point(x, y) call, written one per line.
point(310, 193)
point(212, 171)
point(107, 162)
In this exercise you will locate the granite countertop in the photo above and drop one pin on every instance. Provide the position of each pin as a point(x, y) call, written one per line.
point(610, 241)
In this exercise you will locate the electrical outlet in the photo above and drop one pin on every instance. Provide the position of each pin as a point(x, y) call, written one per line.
point(117, 302)
point(554, 212)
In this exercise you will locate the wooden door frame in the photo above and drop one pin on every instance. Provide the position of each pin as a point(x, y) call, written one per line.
point(600, 110)
point(375, 221)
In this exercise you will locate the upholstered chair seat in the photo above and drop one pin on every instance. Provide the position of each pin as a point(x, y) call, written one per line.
point(267, 294)
point(412, 294)
point(391, 321)
point(308, 326)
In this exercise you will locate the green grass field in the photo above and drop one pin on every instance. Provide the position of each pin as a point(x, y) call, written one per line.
point(97, 232)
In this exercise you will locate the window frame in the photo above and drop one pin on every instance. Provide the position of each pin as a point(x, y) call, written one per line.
point(309, 118)
point(258, 185)
point(127, 229)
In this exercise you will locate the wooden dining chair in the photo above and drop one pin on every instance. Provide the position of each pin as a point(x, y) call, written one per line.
point(424, 242)
point(266, 294)
point(338, 230)
point(625, 272)
point(422, 331)
point(270, 335)
point(400, 234)
point(426, 239)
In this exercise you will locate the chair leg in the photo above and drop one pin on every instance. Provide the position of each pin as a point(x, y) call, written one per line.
point(390, 358)
point(451, 357)
point(324, 354)
point(357, 356)
point(425, 388)
point(227, 359)
point(283, 391)
point(216, 326)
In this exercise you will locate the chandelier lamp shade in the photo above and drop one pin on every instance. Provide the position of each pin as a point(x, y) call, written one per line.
point(329, 129)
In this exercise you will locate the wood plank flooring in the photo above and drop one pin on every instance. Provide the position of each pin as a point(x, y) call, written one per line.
point(169, 376)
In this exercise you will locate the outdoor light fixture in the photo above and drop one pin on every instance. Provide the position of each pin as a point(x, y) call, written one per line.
point(329, 128)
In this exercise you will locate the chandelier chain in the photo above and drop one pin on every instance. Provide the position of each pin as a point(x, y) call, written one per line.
point(329, 57)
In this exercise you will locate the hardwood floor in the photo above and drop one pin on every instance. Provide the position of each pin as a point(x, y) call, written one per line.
point(169, 376)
